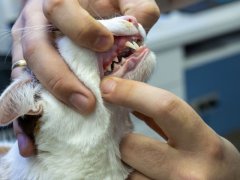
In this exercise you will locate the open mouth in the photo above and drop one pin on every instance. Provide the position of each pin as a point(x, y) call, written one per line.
point(123, 57)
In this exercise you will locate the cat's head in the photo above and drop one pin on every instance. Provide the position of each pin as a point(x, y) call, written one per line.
point(128, 58)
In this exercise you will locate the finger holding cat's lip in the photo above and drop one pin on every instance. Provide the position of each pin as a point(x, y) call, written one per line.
point(55, 75)
point(78, 24)
point(46, 63)
point(17, 52)
point(176, 119)
point(86, 105)
point(147, 12)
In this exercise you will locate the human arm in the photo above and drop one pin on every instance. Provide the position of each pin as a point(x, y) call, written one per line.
point(192, 149)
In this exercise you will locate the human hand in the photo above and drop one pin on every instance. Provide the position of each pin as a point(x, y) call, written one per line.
point(192, 151)
point(33, 41)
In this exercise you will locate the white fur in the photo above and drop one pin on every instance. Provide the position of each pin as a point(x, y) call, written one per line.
point(70, 145)
point(19, 103)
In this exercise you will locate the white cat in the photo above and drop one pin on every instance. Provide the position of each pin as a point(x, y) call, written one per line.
point(70, 145)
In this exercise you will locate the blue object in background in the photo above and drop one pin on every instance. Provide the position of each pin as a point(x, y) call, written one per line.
point(5, 72)
point(214, 91)
point(204, 5)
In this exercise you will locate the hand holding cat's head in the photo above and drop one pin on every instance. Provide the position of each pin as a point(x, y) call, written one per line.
point(128, 58)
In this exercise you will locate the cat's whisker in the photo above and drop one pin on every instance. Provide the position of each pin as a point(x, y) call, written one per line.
point(30, 29)
point(33, 28)
point(117, 14)
point(5, 33)
point(33, 32)
point(8, 54)
point(96, 13)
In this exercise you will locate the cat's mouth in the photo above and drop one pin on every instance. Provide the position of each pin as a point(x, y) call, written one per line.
point(123, 57)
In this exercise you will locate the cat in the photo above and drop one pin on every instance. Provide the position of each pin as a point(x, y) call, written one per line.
point(71, 145)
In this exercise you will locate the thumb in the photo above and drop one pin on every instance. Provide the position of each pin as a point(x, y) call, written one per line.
point(78, 24)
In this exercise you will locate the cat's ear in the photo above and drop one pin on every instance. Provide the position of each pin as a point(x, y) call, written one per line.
point(20, 98)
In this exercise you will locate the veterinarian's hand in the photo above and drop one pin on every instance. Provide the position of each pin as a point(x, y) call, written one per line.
point(192, 151)
point(33, 41)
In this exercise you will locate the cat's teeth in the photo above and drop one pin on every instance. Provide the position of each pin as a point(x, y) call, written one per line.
point(109, 68)
point(117, 66)
point(123, 60)
point(130, 45)
point(115, 60)
point(135, 44)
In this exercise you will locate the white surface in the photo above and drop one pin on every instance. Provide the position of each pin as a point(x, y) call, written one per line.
point(213, 55)
point(177, 29)
point(169, 72)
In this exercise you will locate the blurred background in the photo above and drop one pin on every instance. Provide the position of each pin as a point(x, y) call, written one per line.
point(198, 59)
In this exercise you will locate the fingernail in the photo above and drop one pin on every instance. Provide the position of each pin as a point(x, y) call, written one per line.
point(103, 43)
point(108, 85)
point(80, 102)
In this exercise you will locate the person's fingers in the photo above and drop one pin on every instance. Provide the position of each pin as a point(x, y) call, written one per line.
point(17, 54)
point(16, 33)
point(78, 25)
point(146, 155)
point(137, 176)
point(49, 67)
point(177, 120)
point(150, 122)
point(146, 11)
point(157, 160)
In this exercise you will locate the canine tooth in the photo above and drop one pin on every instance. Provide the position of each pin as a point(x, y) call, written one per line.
point(116, 60)
point(109, 68)
point(117, 66)
point(129, 44)
point(135, 44)
point(123, 60)
point(119, 59)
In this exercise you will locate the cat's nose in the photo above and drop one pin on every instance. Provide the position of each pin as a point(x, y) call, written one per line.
point(132, 20)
